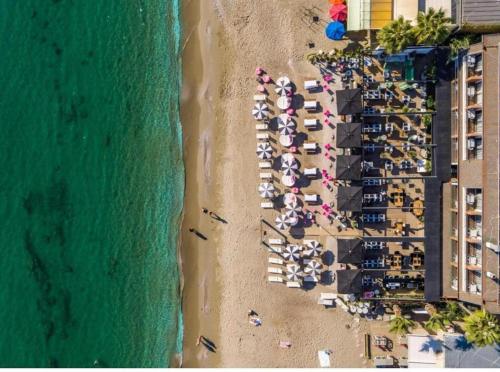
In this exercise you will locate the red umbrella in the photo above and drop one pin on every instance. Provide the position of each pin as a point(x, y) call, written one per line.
point(338, 12)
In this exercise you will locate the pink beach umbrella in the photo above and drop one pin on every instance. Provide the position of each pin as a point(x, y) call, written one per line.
point(290, 111)
point(259, 71)
point(266, 79)
point(261, 88)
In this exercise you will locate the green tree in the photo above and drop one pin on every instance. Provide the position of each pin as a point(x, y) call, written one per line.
point(436, 320)
point(457, 45)
point(482, 328)
point(399, 325)
point(433, 27)
point(452, 312)
point(396, 36)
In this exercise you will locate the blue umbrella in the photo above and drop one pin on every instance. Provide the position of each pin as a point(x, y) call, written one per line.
point(335, 30)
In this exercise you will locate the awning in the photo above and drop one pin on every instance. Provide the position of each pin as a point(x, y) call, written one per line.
point(349, 101)
point(350, 251)
point(350, 198)
point(349, 281)
point(348, 167)
point(348, 135)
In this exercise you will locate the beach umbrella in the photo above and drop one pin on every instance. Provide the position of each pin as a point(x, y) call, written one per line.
point(266, 190)
point(264, 150)
point(336, 2)
point(313, 248)
point(335, 30)
point(313, 267)
point(260, 111)
point(293, 217)
point(293, 272)
point(282, 222)
point(338, 12)
point(286, 127)
point(288, 181)
point(290, 198)
point(289, 168)
point(283, 85)
point(293, 206)
point(291, 252)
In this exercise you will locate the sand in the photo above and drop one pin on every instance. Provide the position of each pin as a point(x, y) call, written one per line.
point(226, 275)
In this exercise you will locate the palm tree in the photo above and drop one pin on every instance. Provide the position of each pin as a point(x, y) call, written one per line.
point(482, 328)
point(452, 312)
point(436, 320)
point(396, 36)
point(399, 324)
point(433, 27)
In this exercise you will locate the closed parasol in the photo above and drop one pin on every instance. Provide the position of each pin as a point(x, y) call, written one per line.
point(291, 252)
point(293, 272)
point(264, 150)
point(260, 111)
point(283, 85)
point(266, 190)
point(313, 267)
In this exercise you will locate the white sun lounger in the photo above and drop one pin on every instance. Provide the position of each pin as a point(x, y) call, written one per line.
point(265, 176)
point(267, 205)
point(260, 97)
point(310, 172)
point(274, 270)
point(261, 126)
point(310, 146)
point(310, 123)
point(275, 249)
point(265, 164)
point(293, 285)
point(262, 136)
point(311, 84)
point(276, 261)
point(310, 105)
point(325, 302)
point(275, 279)
point(275, 242)
point(328, 296)
point(324, 358)
point(311, 198)
point(311, 279)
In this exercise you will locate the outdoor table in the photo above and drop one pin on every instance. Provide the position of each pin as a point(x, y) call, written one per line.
point(286, 140)
point(284, 102)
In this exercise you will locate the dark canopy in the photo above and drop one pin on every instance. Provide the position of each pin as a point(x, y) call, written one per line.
point(348, 135)
point(349, 198)
point(348, 167)
point(349, 281)
point(349, 101)
point(350, 251)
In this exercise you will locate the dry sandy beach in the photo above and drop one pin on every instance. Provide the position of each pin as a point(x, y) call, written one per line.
point(226, 275)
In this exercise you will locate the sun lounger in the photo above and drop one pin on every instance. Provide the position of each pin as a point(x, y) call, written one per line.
point(310, 172)
point(276, 261)
point(265, 164)
point(275, 242)
point(293, 285)
point(259, 97)
point(262, 136)
point(310, 123)
point(324, 358)
point(275, 249)
point(311, 105)
point(328, 296)
point(311, 198)
point(267, 205)
point(311, 84)
point(274, 270)
point(261, 126)
point(274, 279)
point(310, 146)
point(265, 176)
point(325, 302)
point(311, 279)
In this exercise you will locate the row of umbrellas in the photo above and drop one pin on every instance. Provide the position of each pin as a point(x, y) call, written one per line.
point(292, 251)
point(294, 271)
point(283, 87)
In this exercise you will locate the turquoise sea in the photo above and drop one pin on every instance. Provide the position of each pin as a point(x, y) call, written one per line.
point(92, 183)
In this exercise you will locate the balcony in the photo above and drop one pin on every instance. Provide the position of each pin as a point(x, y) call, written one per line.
point(474, 148)
point(474, 201)
point(474, 95)
point(474, 66)
point(473, 263)
point(474, 288)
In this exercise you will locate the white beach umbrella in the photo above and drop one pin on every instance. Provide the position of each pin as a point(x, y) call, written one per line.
point(293, 206)
point(313, 248)
point(266, 190)
point(290, 199)
point(283, 85)
point(313, 268)
point(287, 157)
point(264, 150)
point(291, 252)
point(293, 217)
point(288, 181)
point(293, 272)
point(286, 127)
point(282, 222)
point(289, 168)
point(260, 111)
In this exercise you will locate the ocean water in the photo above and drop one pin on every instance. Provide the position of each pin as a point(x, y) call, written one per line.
point(91, 185)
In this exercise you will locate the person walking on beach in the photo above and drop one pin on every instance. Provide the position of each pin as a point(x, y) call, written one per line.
point(204, 210)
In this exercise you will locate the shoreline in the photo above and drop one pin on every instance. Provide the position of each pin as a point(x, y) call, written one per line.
point(198, 258)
